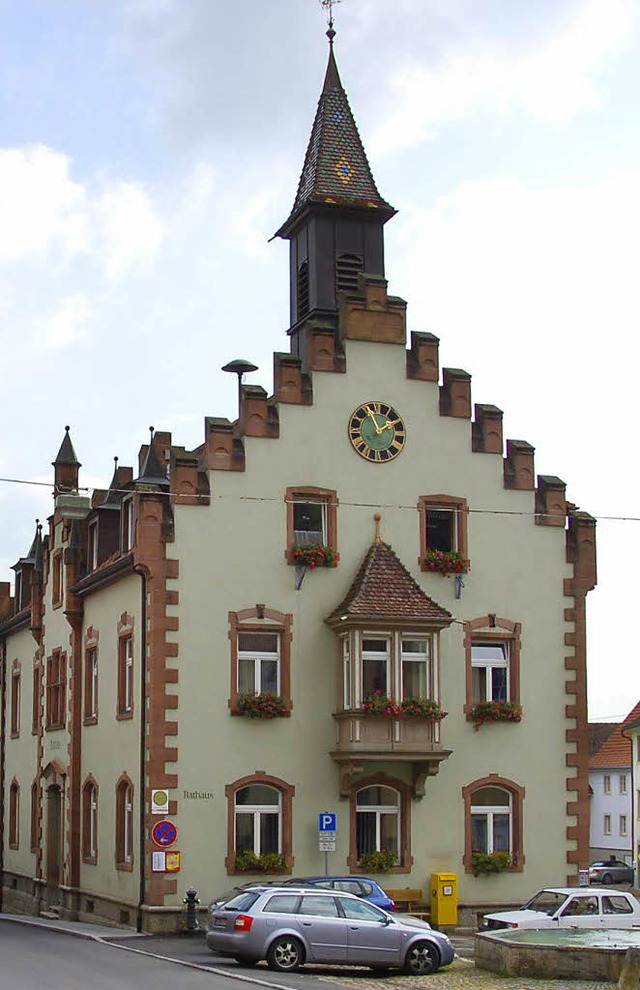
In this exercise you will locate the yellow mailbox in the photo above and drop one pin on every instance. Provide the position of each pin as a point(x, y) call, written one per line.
point(444, 898)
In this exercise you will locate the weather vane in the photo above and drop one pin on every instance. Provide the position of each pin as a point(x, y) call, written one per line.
point(328, 6)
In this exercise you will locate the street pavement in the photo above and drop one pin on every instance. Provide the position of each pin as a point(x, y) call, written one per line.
point(191, 951)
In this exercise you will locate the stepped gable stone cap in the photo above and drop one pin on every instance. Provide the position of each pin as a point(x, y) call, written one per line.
point(616, 750)
point(66, 454)
point(336, 171)
point(384, 589)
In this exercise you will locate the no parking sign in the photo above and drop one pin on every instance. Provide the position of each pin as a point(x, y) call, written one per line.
point(164, 833)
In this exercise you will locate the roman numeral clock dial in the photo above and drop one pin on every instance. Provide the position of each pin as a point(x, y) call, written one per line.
point(376, 431)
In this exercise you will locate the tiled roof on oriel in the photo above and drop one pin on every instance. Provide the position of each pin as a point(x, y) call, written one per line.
point(336, 170)
point(384, 589)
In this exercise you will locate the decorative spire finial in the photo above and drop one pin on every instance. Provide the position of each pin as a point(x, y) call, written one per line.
point(328, 6)
point(376, 518)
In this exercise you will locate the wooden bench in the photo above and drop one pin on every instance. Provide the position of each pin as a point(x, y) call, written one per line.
point(409, 899)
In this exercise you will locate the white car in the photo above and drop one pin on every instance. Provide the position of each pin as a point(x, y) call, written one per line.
point(571, 907)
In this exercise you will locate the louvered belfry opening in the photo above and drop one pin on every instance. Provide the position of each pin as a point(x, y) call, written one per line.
point(347, 268)
point(303, 289)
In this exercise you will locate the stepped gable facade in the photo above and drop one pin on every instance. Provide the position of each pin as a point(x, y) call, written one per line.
point(356, 597)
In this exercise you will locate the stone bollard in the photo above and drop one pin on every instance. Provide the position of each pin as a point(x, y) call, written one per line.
point(192, 901)
point(630, 972)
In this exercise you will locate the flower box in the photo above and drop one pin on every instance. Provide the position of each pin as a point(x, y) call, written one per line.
point(261, 705)
point(248, 862)
point(378, 861)
point(422, 708)
point(495, 711)
point(312, 555)
point(445, 562)
point(484, 864)
point(383, 704)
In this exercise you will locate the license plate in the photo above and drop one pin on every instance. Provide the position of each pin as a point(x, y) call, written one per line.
point(219, 922)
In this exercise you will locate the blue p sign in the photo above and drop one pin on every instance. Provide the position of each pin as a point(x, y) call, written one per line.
point(327, 821)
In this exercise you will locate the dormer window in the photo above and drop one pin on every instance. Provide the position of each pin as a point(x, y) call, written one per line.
point(18, 593)
point(92, 545)
point(127, 530)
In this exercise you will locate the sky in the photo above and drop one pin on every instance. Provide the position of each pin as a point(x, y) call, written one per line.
point(150, 148)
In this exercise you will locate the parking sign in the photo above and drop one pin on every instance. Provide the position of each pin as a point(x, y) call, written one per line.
point(327, 821)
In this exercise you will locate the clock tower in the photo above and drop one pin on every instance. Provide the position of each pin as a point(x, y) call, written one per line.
point(335, 226)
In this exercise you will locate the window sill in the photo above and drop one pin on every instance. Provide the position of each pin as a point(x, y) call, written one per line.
point(14, 734)
point(56, 604)
point(90, 860)
point(13, 845)
point(90, 720)
point(125, 867)
point(54, 726)
point(123, 716)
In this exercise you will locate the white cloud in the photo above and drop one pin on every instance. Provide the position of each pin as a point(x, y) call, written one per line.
point(553, 81)
point(67, 326)
point(40, 206)
point(130, 230)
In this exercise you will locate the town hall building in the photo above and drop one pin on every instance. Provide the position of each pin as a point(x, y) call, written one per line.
point(357, 598)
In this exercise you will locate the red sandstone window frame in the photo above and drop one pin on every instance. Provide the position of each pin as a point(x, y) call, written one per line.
point(56, 689)
point(517, 794)
point(56, 591)
point(287, 793)
point(459, 510)
point(124, 824)
point(90, 821)
point(16, 698)
point(14, 815)
point(492, 629)
point(91, 684)
point(35, 818)
point(125, 676)
point(326, 497)
point(404, 853)
point(264, 620)
point(36, 701)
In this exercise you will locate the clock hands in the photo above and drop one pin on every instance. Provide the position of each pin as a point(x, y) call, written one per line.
point(371, 413)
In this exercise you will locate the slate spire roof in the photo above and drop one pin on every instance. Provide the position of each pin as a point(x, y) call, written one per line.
point(153, 472)
point(335, 170)
point(384, 589)
point(66, 454)
point(35, 551)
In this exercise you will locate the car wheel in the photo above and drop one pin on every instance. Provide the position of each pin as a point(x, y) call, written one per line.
point(285, 954)
point(606, 878)
point(422, 958)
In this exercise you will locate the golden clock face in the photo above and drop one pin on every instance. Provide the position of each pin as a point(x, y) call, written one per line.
point(376, 431)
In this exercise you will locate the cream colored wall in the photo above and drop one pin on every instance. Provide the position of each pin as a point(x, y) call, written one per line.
point(20, 753)
point(232, 557)
point(112, 747)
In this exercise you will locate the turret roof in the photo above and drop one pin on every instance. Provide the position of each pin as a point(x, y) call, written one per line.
point(384, 589)
point(335, 171)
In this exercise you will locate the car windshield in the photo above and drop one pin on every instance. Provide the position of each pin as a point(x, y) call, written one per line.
point(242, 902)
point(546, 901)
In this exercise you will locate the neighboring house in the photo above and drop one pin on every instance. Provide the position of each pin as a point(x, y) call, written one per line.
point(610, 779)
point(232, 640)
point(632, 731)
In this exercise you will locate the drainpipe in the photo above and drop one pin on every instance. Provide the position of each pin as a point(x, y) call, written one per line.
point(143, 725)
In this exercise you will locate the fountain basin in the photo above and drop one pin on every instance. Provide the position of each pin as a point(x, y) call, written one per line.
point(569, 954)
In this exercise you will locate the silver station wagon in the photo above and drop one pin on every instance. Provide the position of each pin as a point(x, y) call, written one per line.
point(289, 927)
